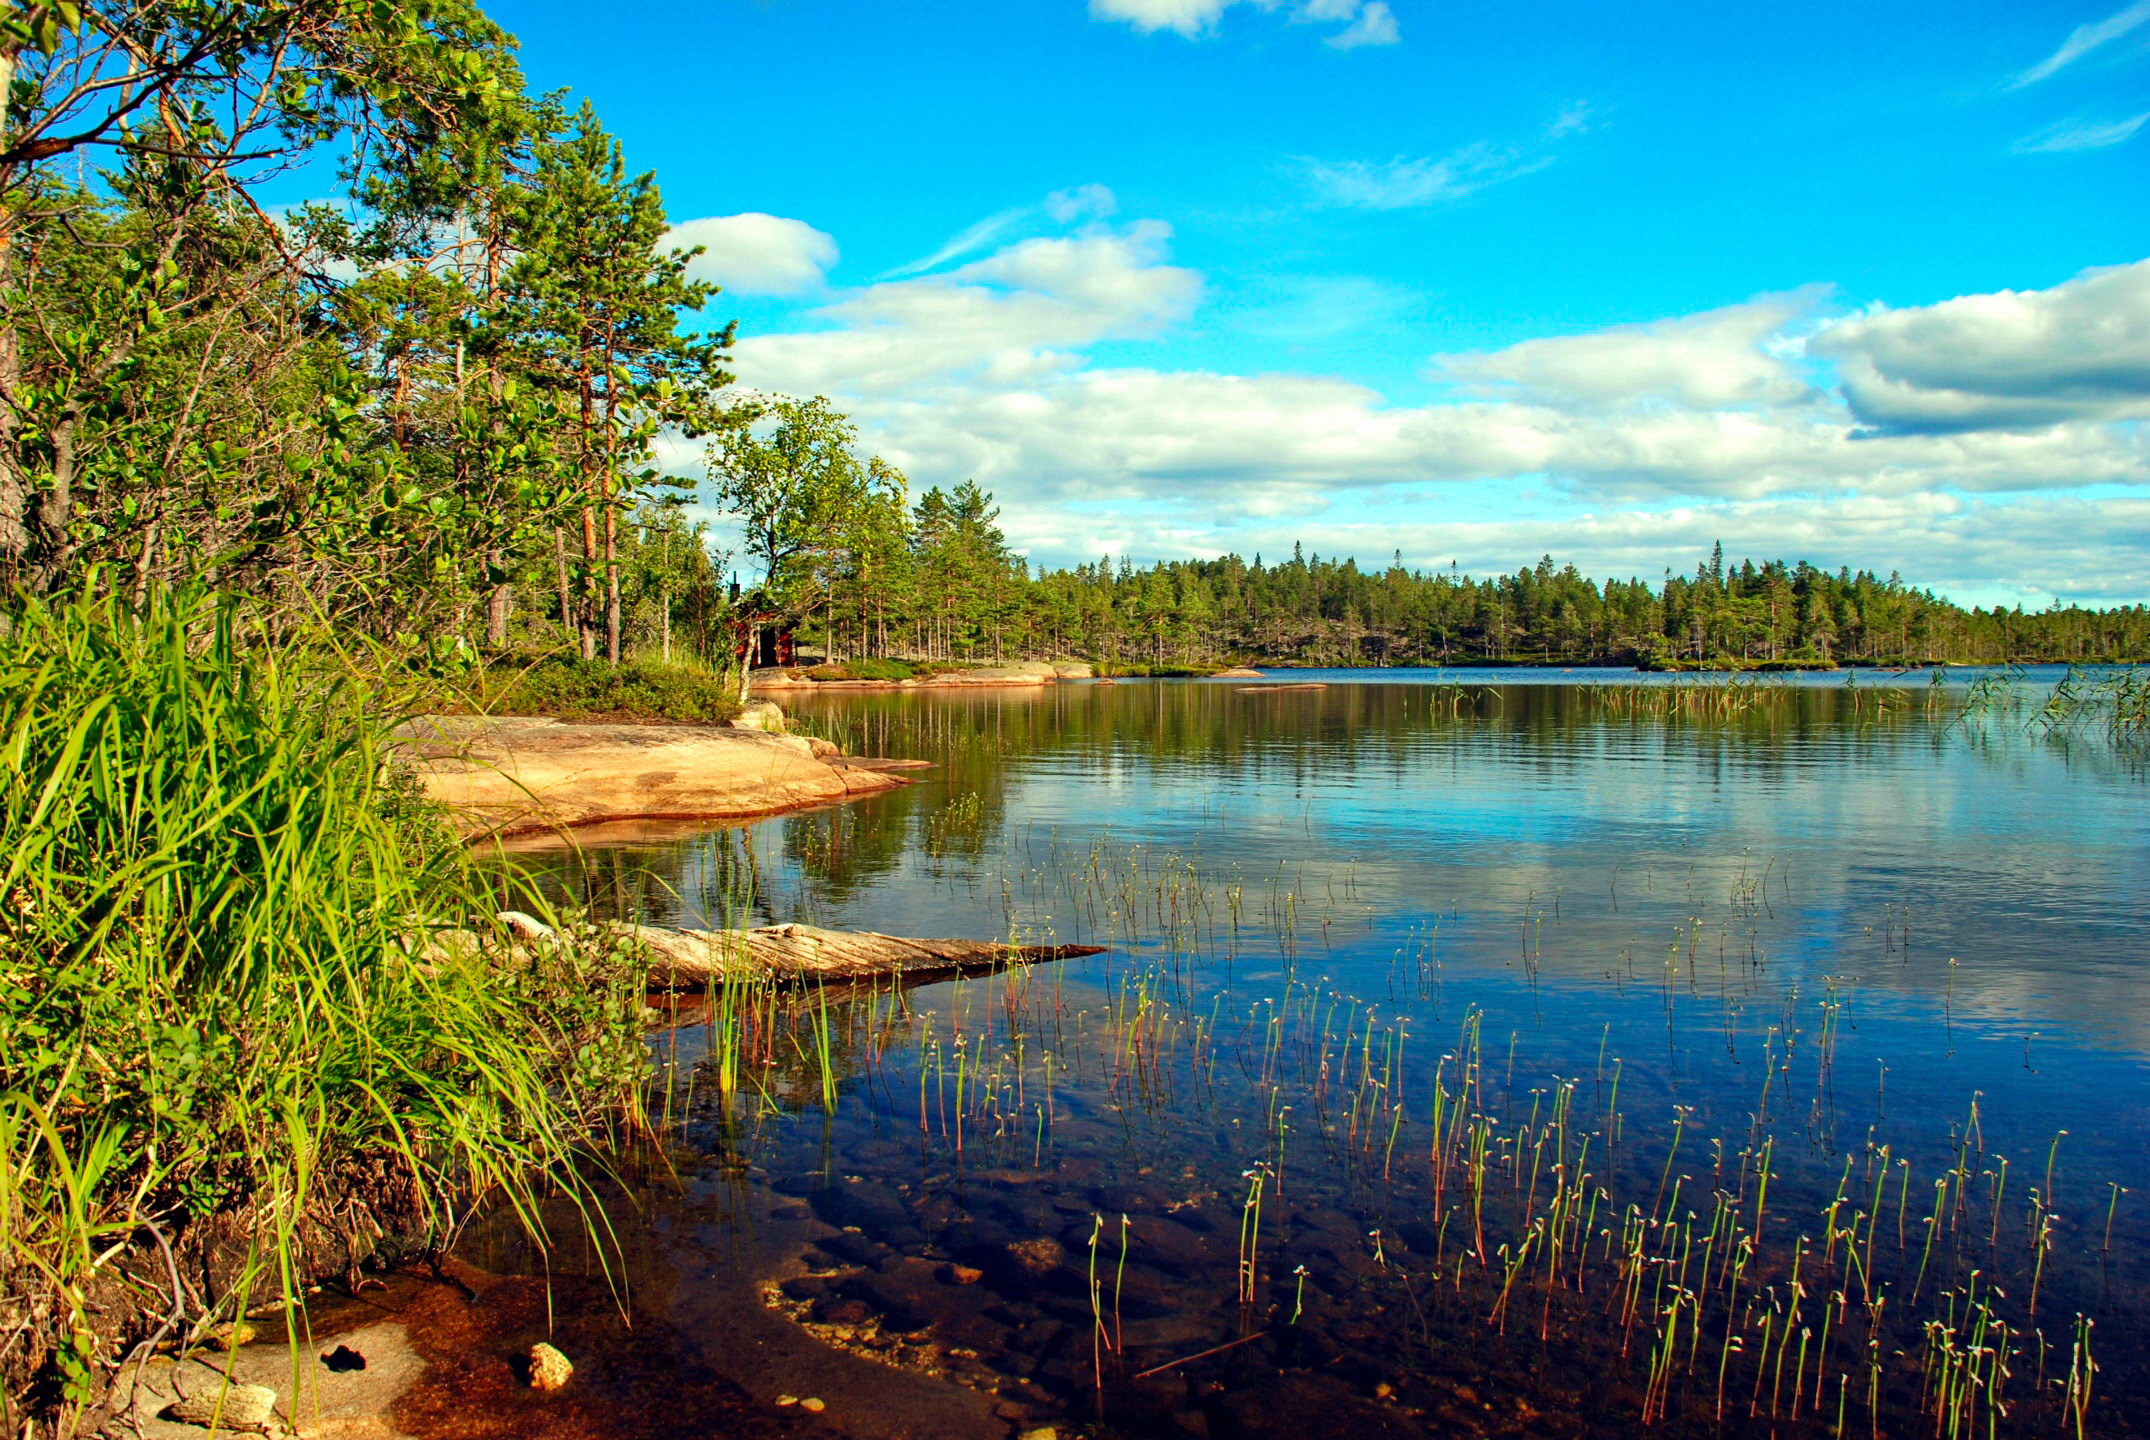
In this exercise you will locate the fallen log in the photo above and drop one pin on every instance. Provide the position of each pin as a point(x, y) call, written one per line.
point(691, 959)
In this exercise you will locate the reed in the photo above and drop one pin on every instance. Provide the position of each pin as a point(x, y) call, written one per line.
point(258, 1017)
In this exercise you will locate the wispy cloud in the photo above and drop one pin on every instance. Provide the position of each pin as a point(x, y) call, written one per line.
point(1063, 207)
point(2086, 38)
point(2081, 134)
point(1406, 183)
point(1365, 22)
point(1375, 25)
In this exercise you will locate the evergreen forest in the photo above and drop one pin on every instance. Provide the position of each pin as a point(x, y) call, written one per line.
point(427, 412)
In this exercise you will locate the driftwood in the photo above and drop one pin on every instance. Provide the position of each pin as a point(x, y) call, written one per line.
point(690, 959)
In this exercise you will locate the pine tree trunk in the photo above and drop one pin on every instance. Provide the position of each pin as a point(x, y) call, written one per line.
point(567, 607)
point(14, 486)
point(496, 606)
point(612, 590)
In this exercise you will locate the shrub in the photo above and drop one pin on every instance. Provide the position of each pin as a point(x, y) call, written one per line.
point(640, 691)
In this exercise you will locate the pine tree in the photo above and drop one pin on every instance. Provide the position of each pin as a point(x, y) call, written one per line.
point(600, 328)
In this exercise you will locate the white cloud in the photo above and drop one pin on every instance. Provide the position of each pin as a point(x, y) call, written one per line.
point(755, 254)
point(1009, 315)
point(1721, 358)
point(2011, 359)
point(2081, 135)
point(1376, 25)
point(1403, 183)
point(1366, 22)
point(1080, 202)
point(1186, 17)
point(1725, 421)
point(2086, 38)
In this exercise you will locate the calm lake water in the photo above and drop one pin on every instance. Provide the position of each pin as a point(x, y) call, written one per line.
point(1511, 1053)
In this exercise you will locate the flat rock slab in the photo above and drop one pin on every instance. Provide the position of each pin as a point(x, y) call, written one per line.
point(334, 1400)
point(514, 775)
point(951, 680)
point(811, 954)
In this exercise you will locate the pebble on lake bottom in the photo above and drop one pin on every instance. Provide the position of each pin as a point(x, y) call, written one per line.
point(549, 1369)
point(813, 1403)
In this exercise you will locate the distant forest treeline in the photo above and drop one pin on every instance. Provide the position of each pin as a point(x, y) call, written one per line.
point(937, 581)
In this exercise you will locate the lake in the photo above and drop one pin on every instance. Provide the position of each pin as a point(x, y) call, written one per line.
point(1472, 1053)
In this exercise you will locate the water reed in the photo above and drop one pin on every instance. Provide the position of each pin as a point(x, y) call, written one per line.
point(257, 1018)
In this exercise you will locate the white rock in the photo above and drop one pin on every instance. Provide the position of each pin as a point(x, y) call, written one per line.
point(764, 715)
point(228, 1407)
point(549, 1369)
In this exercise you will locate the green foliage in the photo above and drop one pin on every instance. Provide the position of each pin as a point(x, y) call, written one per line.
point(255, 1008)
point(871, 668)
point(641, 691)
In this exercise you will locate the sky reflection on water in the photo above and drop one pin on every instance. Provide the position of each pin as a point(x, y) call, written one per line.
point(1952, 910)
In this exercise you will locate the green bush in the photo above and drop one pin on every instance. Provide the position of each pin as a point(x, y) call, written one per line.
point(640, 691)
point(870, 669)
point(257, 1011)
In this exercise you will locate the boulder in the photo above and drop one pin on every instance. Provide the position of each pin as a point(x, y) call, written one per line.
point(1073, 670)
point(512, 775)
point(225, 1405)
point(763, 715)
point(1239, 672)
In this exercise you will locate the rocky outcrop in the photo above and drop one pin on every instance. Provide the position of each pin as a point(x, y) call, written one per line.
point(511, 775)
point(1239, 672)
point(1021, 673)
point(1018, 673)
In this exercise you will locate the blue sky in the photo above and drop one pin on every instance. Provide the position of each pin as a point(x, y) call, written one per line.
point(1853, 283)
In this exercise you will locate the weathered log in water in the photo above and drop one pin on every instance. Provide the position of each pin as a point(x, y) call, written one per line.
point(690, 959)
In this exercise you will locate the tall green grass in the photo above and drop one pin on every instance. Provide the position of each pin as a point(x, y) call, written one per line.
point(258, 1017)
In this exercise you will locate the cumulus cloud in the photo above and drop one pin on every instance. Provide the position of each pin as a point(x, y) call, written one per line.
point(2013, 359)
point(754, 253)
point(1365, 22)
point(1722, 358)
point(1406, 183)
point(2086, 38)
point(2081, 135)
point(1780, 418)
point(1009, 316)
